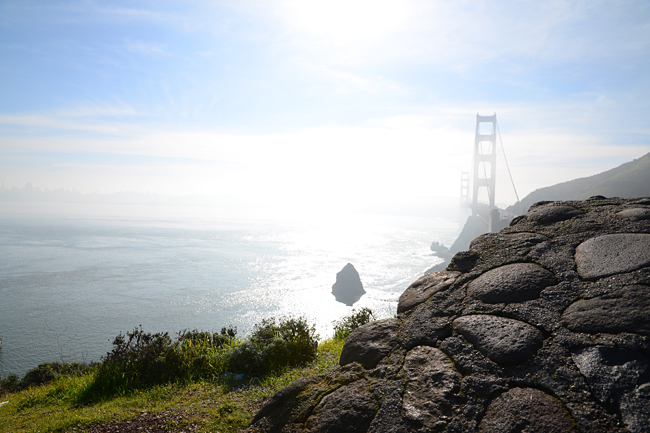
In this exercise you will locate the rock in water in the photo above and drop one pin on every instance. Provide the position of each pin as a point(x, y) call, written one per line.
point(542, 327)
point(348, 288)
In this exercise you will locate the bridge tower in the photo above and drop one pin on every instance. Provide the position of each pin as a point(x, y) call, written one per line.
point(464, 187)
point(485, 157)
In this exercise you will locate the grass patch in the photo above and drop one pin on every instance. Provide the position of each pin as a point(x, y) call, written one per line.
point(222, 404)
point(185, 382)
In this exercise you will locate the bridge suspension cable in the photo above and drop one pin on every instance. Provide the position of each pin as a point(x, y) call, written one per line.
point(503, 150)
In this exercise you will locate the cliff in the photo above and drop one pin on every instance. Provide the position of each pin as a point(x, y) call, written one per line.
point(542, 327)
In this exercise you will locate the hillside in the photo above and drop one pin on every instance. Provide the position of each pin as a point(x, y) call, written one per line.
point(631, 179)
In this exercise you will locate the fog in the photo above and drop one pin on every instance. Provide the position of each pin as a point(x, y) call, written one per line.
point(319, 107)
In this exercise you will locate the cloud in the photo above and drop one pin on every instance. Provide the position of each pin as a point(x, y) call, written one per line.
point(347, 83)
point(148, 49)
point(140, 14)
point(48, 122)
point(459, 34)
point(390, 160)
point(101, 110)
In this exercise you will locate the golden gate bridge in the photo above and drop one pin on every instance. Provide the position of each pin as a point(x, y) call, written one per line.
point(481, 181)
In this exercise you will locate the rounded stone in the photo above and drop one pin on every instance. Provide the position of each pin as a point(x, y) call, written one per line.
point(370, 343)
point(350, 408)
point(640, 201)
point(432, 393)
point(612, 254)
point(626, 310)
point(511, 283)
point(423, 288)
point(552, 214)
point(505, 341)
point(639, 213)
point(526, 410)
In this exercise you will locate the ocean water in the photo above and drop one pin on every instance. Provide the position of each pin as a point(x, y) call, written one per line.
point(72, 279)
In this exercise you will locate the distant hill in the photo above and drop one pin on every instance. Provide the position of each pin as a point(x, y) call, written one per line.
point(631, 179)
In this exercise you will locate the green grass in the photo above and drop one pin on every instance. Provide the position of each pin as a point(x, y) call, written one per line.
point(214, 404)
point(182, 382)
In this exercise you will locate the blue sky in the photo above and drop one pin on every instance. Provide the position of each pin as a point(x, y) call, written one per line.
point(317, 102)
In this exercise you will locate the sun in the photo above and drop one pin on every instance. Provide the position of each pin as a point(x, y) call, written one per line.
point(346, 22)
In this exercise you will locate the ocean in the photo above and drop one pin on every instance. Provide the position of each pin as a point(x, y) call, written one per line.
point(74, 277)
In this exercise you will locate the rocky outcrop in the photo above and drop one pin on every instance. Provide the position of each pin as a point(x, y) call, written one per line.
point(473, 227)
point(542, 327)
point(348, 288)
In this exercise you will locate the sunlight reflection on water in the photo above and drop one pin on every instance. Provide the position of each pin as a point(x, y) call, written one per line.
point(70, 284)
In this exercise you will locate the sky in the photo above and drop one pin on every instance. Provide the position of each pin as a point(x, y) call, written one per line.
point(317, 103)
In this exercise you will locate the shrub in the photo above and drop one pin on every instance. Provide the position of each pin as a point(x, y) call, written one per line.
point(216, 340)
point(274, 345)
point(42, 374)
point(343, 327)
point(9, 384)
point(141, 359)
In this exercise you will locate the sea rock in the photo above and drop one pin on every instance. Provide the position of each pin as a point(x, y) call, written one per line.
point(440, 250)
point(542, 327)
point(348, 288)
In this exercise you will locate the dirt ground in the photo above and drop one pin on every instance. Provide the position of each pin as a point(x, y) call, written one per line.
point(163, 422)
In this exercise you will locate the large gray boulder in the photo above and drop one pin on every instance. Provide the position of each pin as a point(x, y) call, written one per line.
point(542, 327)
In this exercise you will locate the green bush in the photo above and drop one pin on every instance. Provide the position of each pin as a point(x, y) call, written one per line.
point(9, 384)
point(343, 327)
point(274, 345)
point(44, 373)
point(216, 340)
point(139, 359)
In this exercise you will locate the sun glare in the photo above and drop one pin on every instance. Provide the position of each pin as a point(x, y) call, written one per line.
point(343, 22)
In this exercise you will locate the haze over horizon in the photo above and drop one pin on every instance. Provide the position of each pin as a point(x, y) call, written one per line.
point(317, 103)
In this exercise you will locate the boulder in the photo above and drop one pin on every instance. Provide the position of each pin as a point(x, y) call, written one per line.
point(526, 410)
point(613, 254)
point(542, 327)
point(505, 341)
point(348, 288)
point(370, 343)
point(511, 283)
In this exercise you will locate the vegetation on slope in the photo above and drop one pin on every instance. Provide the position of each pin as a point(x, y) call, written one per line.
point(198, 381)
point(631, 179)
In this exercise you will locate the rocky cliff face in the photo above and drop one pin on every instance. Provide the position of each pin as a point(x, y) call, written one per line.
point(542, 327)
